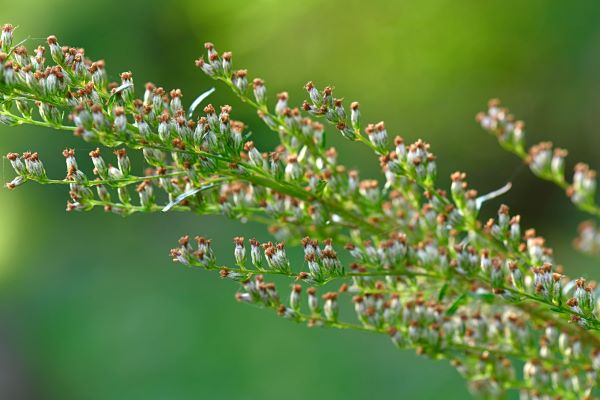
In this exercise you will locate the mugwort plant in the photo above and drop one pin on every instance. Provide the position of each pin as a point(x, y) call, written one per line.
point(424, 271)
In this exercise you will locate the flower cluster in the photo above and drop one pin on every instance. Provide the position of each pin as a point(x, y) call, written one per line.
point(544, 161)
point(418, 266)
point(481, 338)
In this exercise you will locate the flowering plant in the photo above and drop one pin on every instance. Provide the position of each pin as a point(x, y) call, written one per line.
point(420, 266)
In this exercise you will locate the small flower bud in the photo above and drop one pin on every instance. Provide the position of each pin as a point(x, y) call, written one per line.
point(516, 276)
point(584, 185)
point(239, 252)
point(69, 155)
point(497, 273)
point(313, 301)
point(205, 67)
point(244, 297)
point(240, 81)
point(260, 91)
point(114, 173)
point(100, 168)
point(293, 171)
point(255, 254)
point(330, 308)
point(99, 76)
point(346, 131)
point(313, 266)
point(17, 163)
point(355, 115)
point(286, 312)
point(397, 337)
point(17, 181)
point(573, 304)
point(282, 103)
point(120, 121)
point(328, 99)
point(103, 193)
point(295, 297)
point(127, 87)
point(6, 37)
point(339, 110)
point(485, 262)
point(124, 195)
point(314, 94)
point(55, 50)
point(226, 64)
point(145, 193)
point(123, 162)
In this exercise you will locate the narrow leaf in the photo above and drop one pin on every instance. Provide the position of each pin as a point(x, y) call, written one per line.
point(321, 187)
point(199, 100)
point(187, 194)
point(492, 195)
point(461, 300)
point(442, 292)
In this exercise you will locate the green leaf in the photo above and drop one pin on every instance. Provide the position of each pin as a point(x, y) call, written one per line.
point(461, 300)
point(321, 187)
point(486, 297)
point(189, 193)
point(442, 292)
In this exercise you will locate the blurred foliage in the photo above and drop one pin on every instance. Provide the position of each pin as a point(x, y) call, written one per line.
point(90, 306)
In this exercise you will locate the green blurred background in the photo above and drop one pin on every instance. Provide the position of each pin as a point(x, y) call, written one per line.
point(91, 306)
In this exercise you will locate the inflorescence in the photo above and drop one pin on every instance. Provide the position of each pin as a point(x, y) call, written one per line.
point(413, 259)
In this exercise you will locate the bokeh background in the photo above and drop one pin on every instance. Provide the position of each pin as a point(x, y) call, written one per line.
point(91, 306)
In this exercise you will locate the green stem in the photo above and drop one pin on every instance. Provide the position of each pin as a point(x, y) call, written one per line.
point(111, 182)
